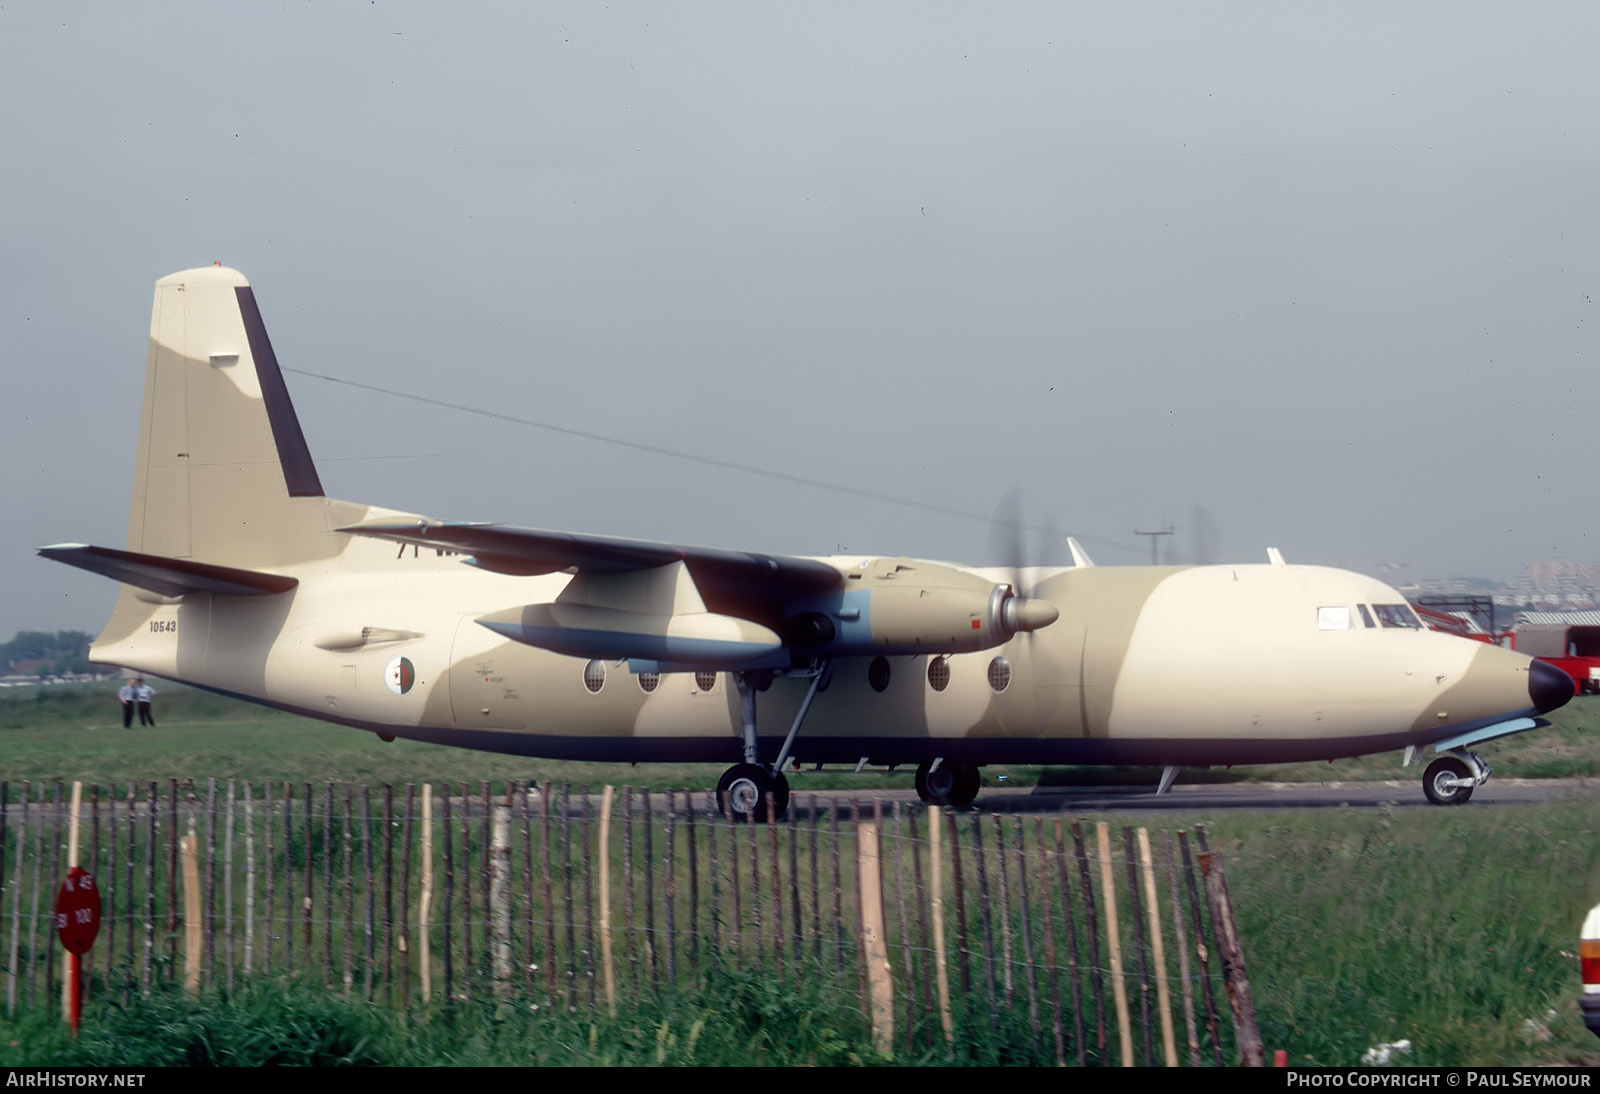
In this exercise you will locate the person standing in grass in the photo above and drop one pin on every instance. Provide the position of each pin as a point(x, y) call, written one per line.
point(126, 695)
point(143, 693)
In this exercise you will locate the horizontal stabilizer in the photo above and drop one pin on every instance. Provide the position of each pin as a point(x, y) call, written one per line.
point(168, 576)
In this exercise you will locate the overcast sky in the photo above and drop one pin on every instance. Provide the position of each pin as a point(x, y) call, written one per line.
point(1326, 270)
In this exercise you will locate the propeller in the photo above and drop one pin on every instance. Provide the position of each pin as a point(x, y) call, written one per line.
point(1019, 610)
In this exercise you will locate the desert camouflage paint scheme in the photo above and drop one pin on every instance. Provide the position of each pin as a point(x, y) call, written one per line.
point(241, 577)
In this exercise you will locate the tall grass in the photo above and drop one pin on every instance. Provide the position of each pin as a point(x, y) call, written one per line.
point(729, 1019)
point(1453, 929)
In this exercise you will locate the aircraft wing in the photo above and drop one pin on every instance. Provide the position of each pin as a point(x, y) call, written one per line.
point(736, 582)
point(168, 576)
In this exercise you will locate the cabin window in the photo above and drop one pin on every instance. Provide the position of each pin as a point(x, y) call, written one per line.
point(999, 674)
point(649, 681)
point(594, 676)
point(1366, 616)
point(878, 673)
point(1333, 619)
point(1397, 615)
point(705, 680)
point(939, 673)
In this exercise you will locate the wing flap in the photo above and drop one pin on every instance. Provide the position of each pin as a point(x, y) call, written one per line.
point(527, 551)
point(168, 576)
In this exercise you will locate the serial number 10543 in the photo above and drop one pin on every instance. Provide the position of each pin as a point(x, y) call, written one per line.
point(161, 626)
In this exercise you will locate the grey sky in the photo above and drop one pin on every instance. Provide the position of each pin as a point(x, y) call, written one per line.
point(1326, 271)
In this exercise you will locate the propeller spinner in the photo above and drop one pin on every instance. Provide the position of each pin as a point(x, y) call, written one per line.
point(1019, 612)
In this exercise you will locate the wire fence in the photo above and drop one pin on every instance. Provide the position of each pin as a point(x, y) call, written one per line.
point(1100, 946)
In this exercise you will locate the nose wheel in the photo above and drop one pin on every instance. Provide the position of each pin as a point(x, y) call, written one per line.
point(939, 783)
point(1450, 780)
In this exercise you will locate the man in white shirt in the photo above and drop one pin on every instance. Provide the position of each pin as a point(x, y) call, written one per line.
point(142, 694)
point(125, 695)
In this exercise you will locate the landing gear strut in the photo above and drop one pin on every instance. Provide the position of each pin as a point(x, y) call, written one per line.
point(1451, 779)
point(939, 783)
point(743, 789)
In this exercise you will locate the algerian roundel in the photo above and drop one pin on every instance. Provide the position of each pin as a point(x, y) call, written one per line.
point(400, 675)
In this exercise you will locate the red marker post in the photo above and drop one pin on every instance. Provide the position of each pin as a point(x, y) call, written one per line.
point(77, 916)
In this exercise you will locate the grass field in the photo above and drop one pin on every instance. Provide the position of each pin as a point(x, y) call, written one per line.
point(75, 732)
point(1454, 929)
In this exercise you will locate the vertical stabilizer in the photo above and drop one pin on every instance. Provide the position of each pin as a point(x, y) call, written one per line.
point(223, 473)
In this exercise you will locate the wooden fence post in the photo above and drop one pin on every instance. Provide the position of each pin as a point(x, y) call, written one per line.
point(500, 900)
point(1183, 956)
point(405, 904)
point(935, 875)
point(1202, 952)
point(880, 1002)
point(193, 940)
point(1163, 996)
point(605, 900)
point(1119, 990)
point(425, 966)
point(1246, 1034)
point(72, 860)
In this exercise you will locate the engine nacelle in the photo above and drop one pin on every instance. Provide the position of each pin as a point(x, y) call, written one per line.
point(587, 630)
point(904, 606)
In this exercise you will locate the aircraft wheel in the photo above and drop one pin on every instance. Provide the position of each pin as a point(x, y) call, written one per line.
point(953, 784)
point(967, 784)
point(936, 787)
point(1436, 781)
point(743, 789)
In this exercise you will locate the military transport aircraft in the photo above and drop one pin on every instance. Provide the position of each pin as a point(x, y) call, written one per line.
point(241, 577)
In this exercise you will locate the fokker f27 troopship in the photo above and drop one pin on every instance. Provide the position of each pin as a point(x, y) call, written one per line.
point(242, 577)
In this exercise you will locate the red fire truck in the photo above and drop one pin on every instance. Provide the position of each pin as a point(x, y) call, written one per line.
point(1568, 640)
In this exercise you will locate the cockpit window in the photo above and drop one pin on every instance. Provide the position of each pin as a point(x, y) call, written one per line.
point(1333, 619)
point(1366, 616)
point(1397, 615)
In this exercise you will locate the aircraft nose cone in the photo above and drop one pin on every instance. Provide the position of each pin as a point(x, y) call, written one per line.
point(1548, 686)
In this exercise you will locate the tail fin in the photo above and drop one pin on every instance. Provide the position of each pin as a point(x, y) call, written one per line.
point(223, 474)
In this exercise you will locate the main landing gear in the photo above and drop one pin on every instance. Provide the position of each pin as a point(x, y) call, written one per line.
point(939, 783)
point(744, 789)
point(1451, 779)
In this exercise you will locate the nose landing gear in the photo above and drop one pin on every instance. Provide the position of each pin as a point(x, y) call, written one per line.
point(1451, 779)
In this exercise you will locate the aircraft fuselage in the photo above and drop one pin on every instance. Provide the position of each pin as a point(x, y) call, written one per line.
point(1163, 665)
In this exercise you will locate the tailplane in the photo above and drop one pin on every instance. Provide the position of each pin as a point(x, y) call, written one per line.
point(168, 576)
